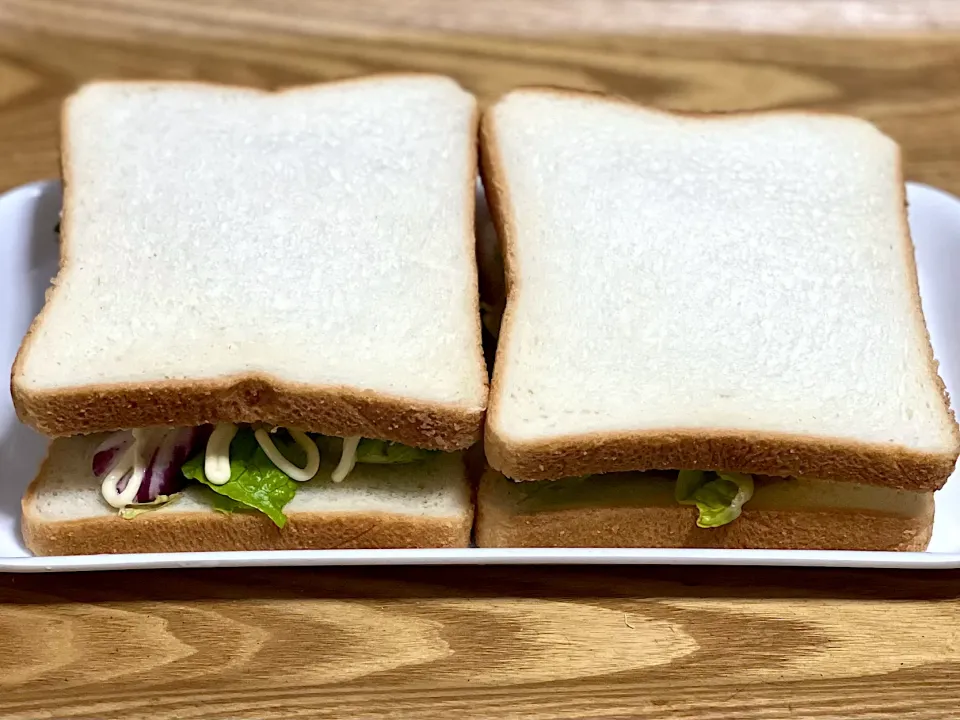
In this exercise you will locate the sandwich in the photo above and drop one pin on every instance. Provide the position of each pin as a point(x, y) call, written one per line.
point(712, 334)
point(265, 330)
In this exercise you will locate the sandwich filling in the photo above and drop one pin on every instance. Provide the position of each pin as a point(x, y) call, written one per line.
point(720, 497)
point(247, 468)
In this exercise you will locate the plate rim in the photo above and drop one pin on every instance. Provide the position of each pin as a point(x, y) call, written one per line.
point(849, 559)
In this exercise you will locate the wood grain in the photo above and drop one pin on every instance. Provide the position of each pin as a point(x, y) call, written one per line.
point(489, 643)
point(908, 85)
point(481, 643)
point(527, 17)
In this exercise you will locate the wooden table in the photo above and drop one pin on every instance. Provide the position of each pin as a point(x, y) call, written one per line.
point(489, 643)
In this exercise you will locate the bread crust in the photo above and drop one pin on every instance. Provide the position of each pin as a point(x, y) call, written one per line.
point(251, 397)
point(208, 532)
point(709, 449)
point(675, 527)
point(336, 411)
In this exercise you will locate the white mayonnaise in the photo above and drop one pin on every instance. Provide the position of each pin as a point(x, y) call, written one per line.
point(134, 458)
point(276, 457)
point(216, 460)
point(348, 458)
point(108, 488)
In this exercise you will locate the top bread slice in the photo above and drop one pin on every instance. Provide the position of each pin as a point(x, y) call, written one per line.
point(729, 292)
point(303, 258)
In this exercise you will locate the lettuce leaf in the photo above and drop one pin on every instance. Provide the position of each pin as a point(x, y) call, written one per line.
point(384, 452)
point(255, 482)
point(718, 496)
point(131, 512)
point(223, 504)
point(542, 492)
point(688, 482)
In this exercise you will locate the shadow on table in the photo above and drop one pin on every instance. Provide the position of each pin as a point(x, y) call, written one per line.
point(535, 582)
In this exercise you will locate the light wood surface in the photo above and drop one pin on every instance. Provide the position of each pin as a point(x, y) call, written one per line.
point(908, 84)
point(481, 643)
point(490, 643)
point(228, 18)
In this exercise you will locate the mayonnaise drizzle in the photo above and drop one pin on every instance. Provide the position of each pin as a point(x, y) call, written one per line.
point(135, 458)
point(276, 457)
point(348, 458)
point(108, 488)
point(216, 460)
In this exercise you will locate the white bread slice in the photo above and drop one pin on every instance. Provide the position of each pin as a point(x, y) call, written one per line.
point(730, 292)
point(305, 258)
point(420, 505)
point(634, 510)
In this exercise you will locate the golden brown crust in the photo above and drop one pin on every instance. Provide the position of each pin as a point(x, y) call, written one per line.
point(204, 532)
point(763, 454)
point(668, 448)
point(331, 410)
point(675, 527)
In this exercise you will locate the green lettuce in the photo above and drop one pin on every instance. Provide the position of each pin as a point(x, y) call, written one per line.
point(383, 452)
point(255, 482)
point(131, 512)
point(224, 504)
point(718, 496)
point(547, 493)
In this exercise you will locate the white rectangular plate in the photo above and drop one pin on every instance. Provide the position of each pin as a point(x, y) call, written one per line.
point(28, 260)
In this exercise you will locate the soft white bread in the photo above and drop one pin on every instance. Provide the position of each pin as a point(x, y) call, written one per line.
point(420, 505)
point(731, 293)
point(636, 510)
point(305, 258)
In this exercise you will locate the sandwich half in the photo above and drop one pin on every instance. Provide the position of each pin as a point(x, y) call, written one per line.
point(727, 309)
point(245, 275)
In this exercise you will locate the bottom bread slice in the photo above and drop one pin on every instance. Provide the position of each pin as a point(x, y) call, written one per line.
point(639, 510)
point(421, 505)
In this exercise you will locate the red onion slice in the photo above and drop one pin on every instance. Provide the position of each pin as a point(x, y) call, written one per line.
point(163, 475)
point(122, 482)
point(109, 451)
point(167, 452)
